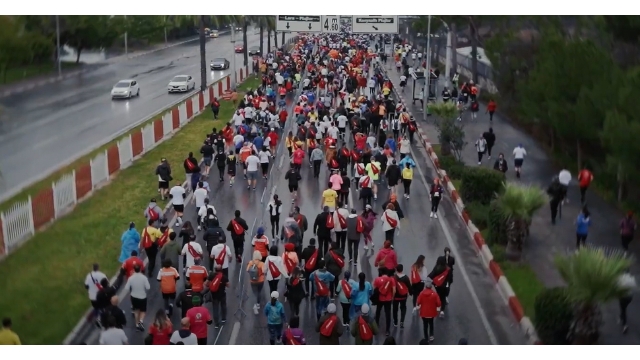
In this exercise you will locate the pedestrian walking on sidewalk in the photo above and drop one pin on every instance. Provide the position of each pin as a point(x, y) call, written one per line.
point(583, 223)
point(481, 147)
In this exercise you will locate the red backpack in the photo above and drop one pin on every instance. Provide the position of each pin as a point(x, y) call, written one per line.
point(441, 278)
point(321, 288)
point(342, 220)
point(214, 285)
point(329, 224)
point(415, 275)
point(274, 270)
point(289, 263)
point(153, 214)
point(310, 264)
point(346, 288)
point(333, 164)
point(339, 261)
point(365, 330)
point(146, 239)
point(190, 165)
point(401, 288)
point(237, 228)
point(221, 256)
point(290, 339)
point(391, 221)
point(164, 238)
point(359, 225)
point(327, 327)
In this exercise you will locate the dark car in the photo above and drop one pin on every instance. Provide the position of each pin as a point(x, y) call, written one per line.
point(254, 50)
point(219, 64)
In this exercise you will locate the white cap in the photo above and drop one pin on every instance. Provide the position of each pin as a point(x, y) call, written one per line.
point(275, 295)
point(331, 308)
point(364, 309)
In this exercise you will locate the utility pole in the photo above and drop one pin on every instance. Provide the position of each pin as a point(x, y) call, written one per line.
point(203, 56)
point(447, 71)
point(59, 61)
point(427, 71)
point(126, 42)
point(233, 44)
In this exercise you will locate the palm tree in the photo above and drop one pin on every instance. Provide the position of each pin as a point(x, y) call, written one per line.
point(271, 27)
point(593, 277)
point(516, 205)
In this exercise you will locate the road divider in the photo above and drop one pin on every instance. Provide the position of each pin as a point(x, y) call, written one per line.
point(20, 220)
point(504, 288)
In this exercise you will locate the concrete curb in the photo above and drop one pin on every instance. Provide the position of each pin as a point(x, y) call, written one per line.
point(505, 289)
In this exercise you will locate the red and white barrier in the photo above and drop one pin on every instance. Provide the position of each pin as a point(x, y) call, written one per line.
point(24, 218)
point(504, 288)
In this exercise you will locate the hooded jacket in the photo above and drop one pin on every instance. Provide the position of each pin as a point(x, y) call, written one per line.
point(393, 215)
point(331, 264)
point(155, 207)
point(130, 240)
point(352, 227)
point(307, 252)
point(277, 260)
point(291, 232)
point(388, 258)
point(355, 329)
point(213, 235)
point(337, 332)
point(429, 303)
point(336, 222)
point(320, 225)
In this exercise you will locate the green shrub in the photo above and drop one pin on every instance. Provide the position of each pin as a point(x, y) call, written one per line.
point(478, 213)
point(553, 316)
point(452, 166)
point(481, 184)
point(496, 225)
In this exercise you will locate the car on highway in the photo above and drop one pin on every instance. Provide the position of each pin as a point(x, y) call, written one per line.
point(254, 50)
point(214, 34)
point(125, 89)
point(238, 28)
point(181, 83)
point(238, 48)
point(219, 64)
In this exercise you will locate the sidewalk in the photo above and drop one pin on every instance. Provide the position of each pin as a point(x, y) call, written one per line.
point(547, 241)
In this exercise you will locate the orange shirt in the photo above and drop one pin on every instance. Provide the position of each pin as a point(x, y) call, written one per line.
point(197, 274)
point(168, 278)
point(245, 152)
point(259, 265)
point(261, 244)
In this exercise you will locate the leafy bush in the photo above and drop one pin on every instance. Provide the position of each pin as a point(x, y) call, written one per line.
point(553, 316)
point(481, 184)
point(496, 224)
point(479, 214)
point(452, 166)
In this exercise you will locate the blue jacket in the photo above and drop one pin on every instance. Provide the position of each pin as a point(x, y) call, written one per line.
point(582, 224)
point(275, 313)
point(407, 160)
point(130, 240)
point(311, 97)
point(392, 144)
point(341, 296)
point(324, 276)
point(258, 142)
point(358, 297)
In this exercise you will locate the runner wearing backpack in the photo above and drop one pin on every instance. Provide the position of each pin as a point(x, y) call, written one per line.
point(256, 278)
point(334, 261)
point(310, 255)
point(363, 327)
point(329, 328)
point(321, 281)
point(403, 290)
point(274, 269)
point(276, 318)
point(153, 212)
point(217, 283)
point(344, 290)
point(384, 288)
point(238, 227)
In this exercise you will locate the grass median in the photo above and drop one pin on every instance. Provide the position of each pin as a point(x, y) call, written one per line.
point(251, 82)
point(522, 278)
point(41, 287)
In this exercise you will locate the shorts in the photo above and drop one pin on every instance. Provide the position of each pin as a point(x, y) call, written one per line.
point(252, 175)
point(207, 161)
point(403, 83)
point(342, 130)
point(293, 188)
point(518, 162)
point(376, 181)
point(139, 304)
point(331, 208)
point(163, 185)
point(178, 208)
point(237, 151)
point(170, 296)
point(244, 165)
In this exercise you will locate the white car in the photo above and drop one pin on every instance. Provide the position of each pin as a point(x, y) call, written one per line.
point(125, 89)
point(181, 83)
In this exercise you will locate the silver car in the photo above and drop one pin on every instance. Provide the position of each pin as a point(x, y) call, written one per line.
point(219, 64)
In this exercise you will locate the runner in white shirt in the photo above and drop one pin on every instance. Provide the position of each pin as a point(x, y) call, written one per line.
point(403, 82)
point(237, 118)
point(191, 250)
point(249, 113)
point(333, 131)
point(518, 154)
point(216, 253)
point(342, 125)
point(201, 194)
point(177, 195)
point(264, 156)
point(238, 139)
point(202, 212)
point(112, 335)
point(305, 83)
point(138, 286)
point(92, 284)
point(252, 170)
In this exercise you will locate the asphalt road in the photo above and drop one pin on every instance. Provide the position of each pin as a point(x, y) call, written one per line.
point(476, 310)
point(45, 128)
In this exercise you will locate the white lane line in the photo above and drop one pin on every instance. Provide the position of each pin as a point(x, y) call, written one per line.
point(234, 333)
point(447, 234)
point(215, 342)
point(281, 162)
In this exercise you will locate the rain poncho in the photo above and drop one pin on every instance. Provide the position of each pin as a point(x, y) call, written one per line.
point(130, 240)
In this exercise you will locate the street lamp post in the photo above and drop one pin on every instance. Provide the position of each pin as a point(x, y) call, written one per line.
point(427, 71)
point(126, 40)
point(233, 42)
point(58, 46)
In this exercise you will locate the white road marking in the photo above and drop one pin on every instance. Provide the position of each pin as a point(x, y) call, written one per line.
point(447, 234)
point(215, 342)
point(234, 333)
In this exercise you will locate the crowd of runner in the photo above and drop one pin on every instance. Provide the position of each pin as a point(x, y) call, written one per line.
point(339, 124)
